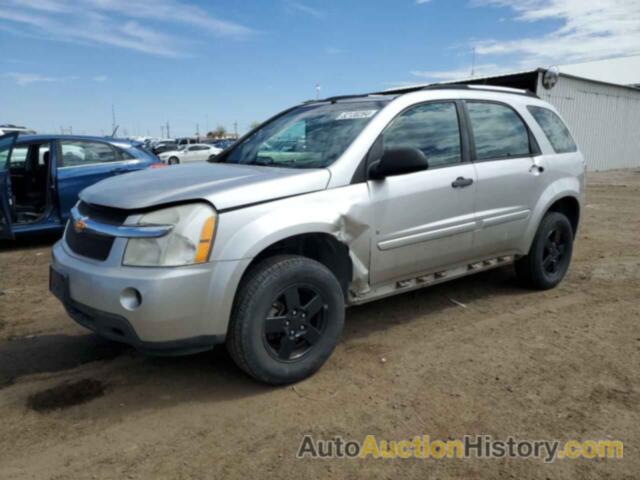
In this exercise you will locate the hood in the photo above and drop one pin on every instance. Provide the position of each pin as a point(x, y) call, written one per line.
point(224, 185)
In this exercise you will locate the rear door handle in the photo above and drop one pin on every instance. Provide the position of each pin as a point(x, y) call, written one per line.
point(461, 182)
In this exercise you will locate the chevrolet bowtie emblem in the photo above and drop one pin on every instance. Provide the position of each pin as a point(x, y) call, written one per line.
point(79, 225)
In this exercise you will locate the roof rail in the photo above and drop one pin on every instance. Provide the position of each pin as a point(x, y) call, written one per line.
point(340, 97)
point(459, 86)
point(435, 86)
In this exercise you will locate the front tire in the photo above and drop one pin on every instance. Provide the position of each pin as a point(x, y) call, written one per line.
point(550, 255)
point(287, 319)
point(173, 161)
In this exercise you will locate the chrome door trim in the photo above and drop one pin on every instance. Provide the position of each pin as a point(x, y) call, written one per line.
point(84, 224)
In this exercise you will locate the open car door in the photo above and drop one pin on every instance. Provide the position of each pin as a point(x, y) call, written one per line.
point(7, 143)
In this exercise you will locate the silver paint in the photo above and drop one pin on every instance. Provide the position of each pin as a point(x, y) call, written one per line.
point(402, 233)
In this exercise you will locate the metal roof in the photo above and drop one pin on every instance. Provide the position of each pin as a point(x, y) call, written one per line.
point(464, 80)
point(505, 76)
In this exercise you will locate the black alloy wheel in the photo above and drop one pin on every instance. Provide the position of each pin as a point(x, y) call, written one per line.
point(295, 323)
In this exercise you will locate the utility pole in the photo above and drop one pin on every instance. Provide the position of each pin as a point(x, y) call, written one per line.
point(168, 130)
point(198, 131)
point(318, 87)
point(113, 117)
point(162, 131)
point(235, 128)
point(473, 62)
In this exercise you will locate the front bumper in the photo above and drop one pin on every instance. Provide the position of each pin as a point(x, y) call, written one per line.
point(183, 309)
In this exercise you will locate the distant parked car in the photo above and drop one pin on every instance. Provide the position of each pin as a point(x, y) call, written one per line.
point(223, 144)
point(42, 175)
point(199, 152)
point(184, 141)
point(164, 147)
point(4, 129)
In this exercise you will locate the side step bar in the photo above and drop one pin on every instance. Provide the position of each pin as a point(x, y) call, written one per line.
point(430, 279)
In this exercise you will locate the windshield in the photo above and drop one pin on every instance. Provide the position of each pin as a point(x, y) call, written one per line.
point(309, 136)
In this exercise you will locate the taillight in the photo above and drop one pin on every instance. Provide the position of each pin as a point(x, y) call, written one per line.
point(157, 165)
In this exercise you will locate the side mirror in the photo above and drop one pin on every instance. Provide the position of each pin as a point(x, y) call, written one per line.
point(398, 161)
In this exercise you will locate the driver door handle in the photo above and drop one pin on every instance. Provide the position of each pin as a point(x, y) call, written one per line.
point(462, 182)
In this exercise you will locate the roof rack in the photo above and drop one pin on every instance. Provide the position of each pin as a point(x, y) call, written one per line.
point(459, 86)
point(337, 98)
point(436, 86)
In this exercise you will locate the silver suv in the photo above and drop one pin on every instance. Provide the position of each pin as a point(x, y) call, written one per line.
point(329, 204)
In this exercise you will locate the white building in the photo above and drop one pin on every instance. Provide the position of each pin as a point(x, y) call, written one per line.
point(619, 70)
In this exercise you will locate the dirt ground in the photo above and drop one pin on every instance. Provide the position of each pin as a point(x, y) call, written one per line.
point(561, 364)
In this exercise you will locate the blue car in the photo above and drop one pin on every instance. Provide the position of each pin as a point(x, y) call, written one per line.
point(42, 175)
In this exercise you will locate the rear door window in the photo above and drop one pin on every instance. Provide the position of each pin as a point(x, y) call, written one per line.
point(554, 128)
point(498, 131)
point(19, 156)
point(78, 153)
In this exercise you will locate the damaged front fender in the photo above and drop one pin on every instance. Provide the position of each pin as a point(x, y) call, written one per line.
point(343, 213)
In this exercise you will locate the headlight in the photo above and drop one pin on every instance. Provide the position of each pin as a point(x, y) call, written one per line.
point(188, 243)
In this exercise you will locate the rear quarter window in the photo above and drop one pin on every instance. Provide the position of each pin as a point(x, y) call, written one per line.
point(554, 128)
point(124, 154)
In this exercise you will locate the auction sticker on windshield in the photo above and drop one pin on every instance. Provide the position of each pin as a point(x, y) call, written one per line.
point(357, 115)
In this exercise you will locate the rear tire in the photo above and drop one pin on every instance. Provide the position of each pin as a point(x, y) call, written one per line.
point(550, 255)
point(287, 319)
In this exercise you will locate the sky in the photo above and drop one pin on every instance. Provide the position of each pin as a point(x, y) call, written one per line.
point(200, 64)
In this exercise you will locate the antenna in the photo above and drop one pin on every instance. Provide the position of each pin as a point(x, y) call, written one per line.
point(114, 126)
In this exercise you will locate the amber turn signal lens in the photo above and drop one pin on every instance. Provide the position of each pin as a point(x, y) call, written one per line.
point(206, 239)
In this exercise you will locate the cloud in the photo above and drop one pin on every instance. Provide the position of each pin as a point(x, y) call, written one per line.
point(306, 9)
point(422, 2)
point(589, 30)
point(24, 79)
point(131, 24)
point(100, 78)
